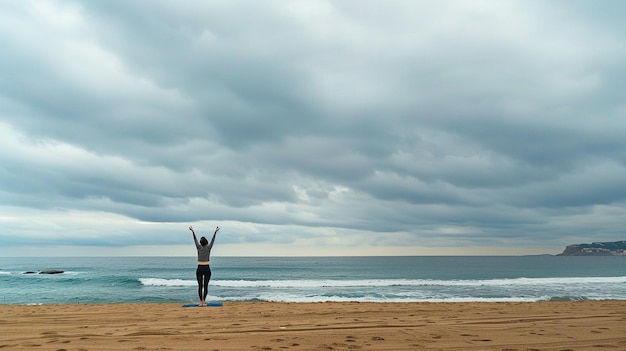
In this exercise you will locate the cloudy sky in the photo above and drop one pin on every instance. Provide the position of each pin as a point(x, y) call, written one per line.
point(311, 127)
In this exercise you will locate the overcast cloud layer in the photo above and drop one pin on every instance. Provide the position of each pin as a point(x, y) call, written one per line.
point(311, 127)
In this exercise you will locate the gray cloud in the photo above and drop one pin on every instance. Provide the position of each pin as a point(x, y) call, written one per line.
point(385, 124)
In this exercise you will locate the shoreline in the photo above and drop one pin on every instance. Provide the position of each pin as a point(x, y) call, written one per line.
point(382, 302)
point(543, 325)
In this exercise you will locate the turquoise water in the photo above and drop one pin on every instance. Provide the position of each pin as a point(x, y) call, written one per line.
point(314, 279)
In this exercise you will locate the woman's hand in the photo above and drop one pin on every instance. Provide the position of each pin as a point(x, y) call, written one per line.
point(217, 229)
point(191, 228)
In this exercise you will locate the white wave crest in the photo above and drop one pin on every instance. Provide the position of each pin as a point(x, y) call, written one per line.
point(166, 282)
point(280, 284)
point(322, 283)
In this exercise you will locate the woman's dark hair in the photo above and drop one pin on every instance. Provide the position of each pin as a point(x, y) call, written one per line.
point(203, 241)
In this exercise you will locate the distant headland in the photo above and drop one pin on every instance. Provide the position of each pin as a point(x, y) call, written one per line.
point(615, 248)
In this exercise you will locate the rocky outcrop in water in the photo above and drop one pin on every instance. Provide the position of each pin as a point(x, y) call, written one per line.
point(52, 271)
point(48, 271)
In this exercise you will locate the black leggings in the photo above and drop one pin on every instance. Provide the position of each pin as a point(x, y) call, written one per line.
point(203, 274)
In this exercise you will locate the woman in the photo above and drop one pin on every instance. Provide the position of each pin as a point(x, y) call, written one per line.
point(203, 272)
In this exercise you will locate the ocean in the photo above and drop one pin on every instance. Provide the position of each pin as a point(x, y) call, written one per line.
point(315, 279)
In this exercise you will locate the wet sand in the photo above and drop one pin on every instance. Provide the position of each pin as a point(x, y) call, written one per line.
point(562, 326)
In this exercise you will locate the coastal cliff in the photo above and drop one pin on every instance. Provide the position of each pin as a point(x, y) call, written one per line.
point(615, 248)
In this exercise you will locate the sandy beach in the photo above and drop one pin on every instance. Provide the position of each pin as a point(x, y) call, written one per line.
point(589, 325)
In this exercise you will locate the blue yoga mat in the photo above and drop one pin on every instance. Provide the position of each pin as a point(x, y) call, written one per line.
point(208, 304)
